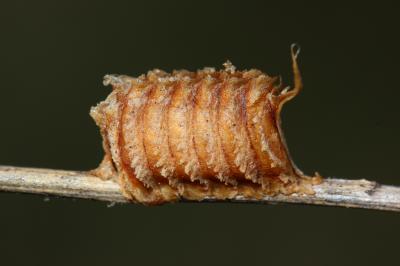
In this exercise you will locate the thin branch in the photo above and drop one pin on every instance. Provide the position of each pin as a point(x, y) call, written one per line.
point(332, 192)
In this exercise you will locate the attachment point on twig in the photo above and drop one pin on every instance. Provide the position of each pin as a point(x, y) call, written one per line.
point(331, 192)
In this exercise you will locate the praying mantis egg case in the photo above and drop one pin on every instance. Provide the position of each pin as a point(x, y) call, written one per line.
point(196, 135)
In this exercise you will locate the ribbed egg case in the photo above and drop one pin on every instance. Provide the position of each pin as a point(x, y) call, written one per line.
point(196, 135)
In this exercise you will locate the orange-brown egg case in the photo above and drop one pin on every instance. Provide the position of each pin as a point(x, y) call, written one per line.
point(197, 135)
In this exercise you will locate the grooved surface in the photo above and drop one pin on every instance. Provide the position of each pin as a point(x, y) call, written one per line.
point(198, 134)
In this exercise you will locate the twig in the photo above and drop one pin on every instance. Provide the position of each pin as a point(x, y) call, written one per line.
point(332, 192)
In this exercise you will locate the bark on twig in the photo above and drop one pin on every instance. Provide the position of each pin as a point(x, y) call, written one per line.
point(332, 192)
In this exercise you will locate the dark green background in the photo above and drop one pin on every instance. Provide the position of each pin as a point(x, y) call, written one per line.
point(53, 55)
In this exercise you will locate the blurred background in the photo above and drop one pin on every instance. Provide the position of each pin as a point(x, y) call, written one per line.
point(345, 123)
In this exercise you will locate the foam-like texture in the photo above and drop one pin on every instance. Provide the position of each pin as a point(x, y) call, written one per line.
point(198, 134)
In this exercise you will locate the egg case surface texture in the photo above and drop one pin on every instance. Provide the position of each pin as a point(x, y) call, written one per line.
point(197, 135)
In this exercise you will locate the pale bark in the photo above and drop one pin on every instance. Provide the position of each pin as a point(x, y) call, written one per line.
point(332, 192)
